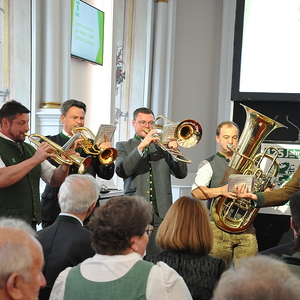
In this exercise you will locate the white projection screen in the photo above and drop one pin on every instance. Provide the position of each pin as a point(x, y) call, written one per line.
point(266, 63)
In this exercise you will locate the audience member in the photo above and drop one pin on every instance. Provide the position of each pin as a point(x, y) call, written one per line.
point(186, 237)
point(22, 166)
point(293, 260)
point(72, 115)
point(118, 271)
point(258, 278)
point(66, 242)
point(146, 168)
point(21, 261)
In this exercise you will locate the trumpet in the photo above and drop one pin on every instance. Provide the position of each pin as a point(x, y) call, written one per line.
point(106, 156)
point(81, 162)
point(187, 133)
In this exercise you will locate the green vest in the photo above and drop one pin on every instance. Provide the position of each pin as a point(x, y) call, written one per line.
point(22, 199)
point(132, 286)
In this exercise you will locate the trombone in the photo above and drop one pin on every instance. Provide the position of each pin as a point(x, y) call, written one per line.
point(106, 156)
point(187, 133)
point(81, 162)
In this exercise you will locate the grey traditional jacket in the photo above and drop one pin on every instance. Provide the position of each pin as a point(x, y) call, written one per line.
point(135, 171)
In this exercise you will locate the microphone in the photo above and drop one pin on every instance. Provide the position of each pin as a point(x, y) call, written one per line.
point(287, 118)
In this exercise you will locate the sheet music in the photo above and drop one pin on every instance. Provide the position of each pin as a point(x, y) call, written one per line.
point(105, 129)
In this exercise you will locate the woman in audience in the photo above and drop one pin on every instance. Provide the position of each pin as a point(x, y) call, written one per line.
point(186, 238)
point(118, 271)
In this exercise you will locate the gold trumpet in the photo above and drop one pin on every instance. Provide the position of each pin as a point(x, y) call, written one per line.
point(81, 162)
point(106, 156)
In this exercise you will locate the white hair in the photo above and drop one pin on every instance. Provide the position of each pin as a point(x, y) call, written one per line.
point(78, 192)
point(15, 256)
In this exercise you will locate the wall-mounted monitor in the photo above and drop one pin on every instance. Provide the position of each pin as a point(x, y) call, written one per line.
point(87, 32)
point(266, 60)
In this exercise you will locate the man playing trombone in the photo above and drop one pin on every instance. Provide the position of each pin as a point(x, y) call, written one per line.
point(146, 168)
point(22, 166)
point(72, 115)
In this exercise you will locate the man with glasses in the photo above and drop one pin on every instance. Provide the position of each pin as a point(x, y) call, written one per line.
point(146, 168)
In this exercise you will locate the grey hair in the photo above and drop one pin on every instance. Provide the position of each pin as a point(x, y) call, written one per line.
point(78, 192)
point(72, 102)
point(258, 278)
point(15, 256)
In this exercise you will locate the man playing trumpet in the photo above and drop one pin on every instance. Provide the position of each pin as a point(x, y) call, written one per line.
point(72, 115)
point(146, 168)
point(22, 166)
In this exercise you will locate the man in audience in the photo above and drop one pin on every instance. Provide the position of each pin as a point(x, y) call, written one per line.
point(21, 261)
point(258, 278)
point(22, 166)
point(72, 115)
point(293, 258)
point(66, 242)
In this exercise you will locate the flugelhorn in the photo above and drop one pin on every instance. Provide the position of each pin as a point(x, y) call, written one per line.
point(81, 162)
point(106, 156)
point(187, 133)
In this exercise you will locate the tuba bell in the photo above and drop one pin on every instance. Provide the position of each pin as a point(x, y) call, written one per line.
point(235, 215)
point(187, 133)
point(106, 156)
point(82, 163)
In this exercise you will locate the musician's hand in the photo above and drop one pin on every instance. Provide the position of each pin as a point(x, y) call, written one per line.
point(242, 192)
point(224, 192)
point(105, 144)
point(172, 143)
point(77, 143)
point(269, 187)
point(149, 139)
point(44, 151)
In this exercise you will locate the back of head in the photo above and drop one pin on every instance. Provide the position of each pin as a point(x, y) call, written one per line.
point(78, 192)
point(186, 227)
point(72, 102)
point(117, 221)
point(258, 278)
point(11, 109)
point(16, 241)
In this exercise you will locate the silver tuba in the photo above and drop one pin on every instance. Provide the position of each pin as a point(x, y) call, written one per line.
point(235, 216)
point(187, 133)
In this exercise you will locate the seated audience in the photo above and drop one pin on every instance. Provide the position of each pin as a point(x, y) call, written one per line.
point(21, 261)
point(258, 278)
point(118, 271)
point(66, 242)
point(186, 237)
point(293, 260)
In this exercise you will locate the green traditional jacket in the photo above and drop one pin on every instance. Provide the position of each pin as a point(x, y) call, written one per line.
point(22, 199)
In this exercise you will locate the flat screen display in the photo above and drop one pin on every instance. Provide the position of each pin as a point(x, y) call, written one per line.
point(87, 32)
point(266, 60)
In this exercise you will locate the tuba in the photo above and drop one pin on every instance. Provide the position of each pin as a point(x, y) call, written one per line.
point(187, 133)
point(235, 215)
point(81, 162)
point(106, 156)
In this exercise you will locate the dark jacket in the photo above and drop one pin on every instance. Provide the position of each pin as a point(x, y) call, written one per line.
point(200, 272)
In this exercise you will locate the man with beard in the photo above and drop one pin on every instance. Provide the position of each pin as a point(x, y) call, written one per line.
point(22, 166)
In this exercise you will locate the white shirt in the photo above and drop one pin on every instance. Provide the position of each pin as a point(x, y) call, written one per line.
point(47, 168)
point(164, 283)
point(204, 175)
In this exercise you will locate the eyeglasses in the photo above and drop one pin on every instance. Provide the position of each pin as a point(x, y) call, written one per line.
point(144, 123)
point(149, 230)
